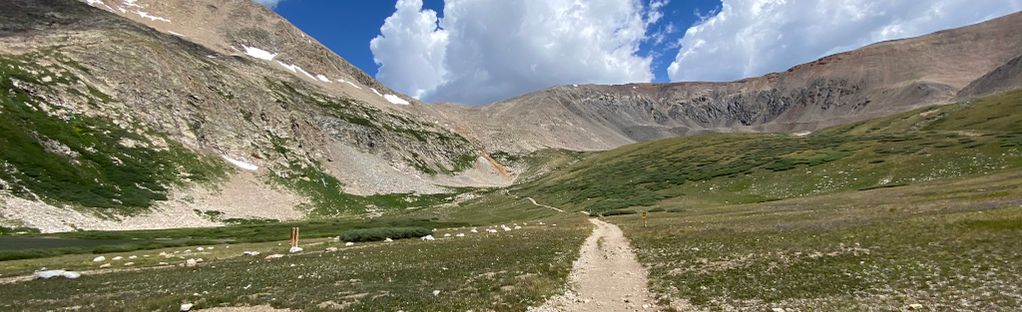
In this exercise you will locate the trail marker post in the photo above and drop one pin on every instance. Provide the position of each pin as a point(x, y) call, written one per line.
point(645, 215)
point(294, 236)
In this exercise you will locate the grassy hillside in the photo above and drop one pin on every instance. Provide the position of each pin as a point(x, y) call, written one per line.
point(958, 140)
point(63, 156)
point(949, 245)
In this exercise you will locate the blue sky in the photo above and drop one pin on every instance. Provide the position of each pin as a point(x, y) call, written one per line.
point(347, 26)
point(488, 50)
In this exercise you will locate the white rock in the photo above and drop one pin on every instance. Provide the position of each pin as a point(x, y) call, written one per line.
point(915, 306)
point(518, 227)
point(777, 310)
point(274, 256)
point(447, 235)
point(105, 265)
point(117, 258)
point(428, 238)
point(133, 257)
point(200, 249)
point(436, 292)
point(185, 307)
point(295, 249)
point(250, 253)
point(349, 244)
point(48, 274)
point(491, 230)
point(129, 263)
point(474, 230)
point(191, 262)
point(99, 259)
point(460, 235)
point(331, 249)
point(388, 240)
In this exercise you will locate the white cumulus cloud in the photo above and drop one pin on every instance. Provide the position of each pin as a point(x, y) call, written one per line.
point(485, 50)
point(754, 37)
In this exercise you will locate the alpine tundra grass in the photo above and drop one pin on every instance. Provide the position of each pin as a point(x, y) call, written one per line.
point(504, 271)
point(948, 245)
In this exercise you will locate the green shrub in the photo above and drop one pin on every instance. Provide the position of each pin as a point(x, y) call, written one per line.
point(379, 234)
point(618, 212)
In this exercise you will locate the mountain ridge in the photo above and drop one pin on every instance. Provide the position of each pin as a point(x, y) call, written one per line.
point(881, 78)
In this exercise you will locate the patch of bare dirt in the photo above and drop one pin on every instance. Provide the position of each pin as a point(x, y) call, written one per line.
point(606, 277)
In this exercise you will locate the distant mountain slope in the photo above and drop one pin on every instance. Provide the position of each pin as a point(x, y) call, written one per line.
point(873, 81)
point(149, 128)
point(972, 138)
point(1005, 78)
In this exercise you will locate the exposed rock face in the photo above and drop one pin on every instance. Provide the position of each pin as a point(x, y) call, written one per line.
point(876, 80)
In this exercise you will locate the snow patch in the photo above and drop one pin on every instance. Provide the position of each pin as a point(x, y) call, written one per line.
point(394, 99)
point(296, 69)
point(377, 92)
point(428, 238)
point(295, 249)
point(99, 2)
point(322, 78)
point(241, 164)
point(352, 84)
point(259, 53)
point(177, 34)
point(154, 18)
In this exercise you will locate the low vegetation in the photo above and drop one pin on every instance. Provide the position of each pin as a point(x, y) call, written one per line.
point(97, 242)
point(64, 157)
point(507, 271)
point(958, 140)
point(379, 234)
point(944, 246)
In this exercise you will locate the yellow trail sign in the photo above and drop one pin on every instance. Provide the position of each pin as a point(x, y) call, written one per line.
point(645, 215)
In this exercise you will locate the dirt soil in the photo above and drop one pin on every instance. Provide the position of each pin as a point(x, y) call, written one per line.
point(606, 277)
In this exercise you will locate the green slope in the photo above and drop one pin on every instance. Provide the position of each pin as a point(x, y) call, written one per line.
point(963, 139)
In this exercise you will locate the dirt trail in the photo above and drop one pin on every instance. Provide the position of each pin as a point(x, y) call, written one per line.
point(606, 276)
point(542, 205)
